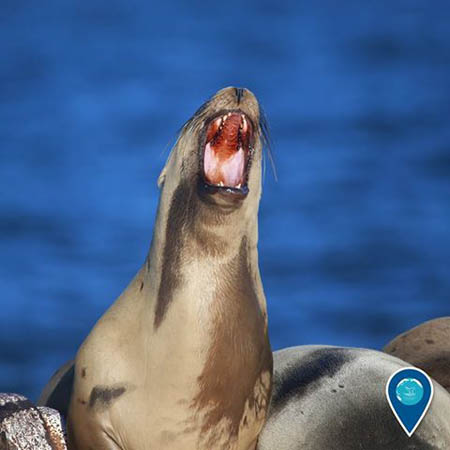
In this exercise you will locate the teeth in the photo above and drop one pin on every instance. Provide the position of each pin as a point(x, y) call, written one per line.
point(224, 118)
point(218, 122)
point(244, 124)
point(220, 184)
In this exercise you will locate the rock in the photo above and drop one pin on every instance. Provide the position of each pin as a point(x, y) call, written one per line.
point(23, 426)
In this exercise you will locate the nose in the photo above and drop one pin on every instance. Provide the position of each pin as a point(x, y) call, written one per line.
point(239, 94)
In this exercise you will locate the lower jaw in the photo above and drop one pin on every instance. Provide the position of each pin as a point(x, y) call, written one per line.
point(226, 194)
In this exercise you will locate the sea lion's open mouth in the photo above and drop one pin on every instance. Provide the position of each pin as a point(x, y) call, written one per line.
point(227, 152)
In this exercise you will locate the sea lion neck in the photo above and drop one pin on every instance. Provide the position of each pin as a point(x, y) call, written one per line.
point(190, 231)
point(208, 209)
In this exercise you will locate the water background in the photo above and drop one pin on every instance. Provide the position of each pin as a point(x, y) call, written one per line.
point(354, 237)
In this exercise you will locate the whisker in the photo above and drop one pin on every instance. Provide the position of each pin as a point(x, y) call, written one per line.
point(170, 144)
point(267, 141)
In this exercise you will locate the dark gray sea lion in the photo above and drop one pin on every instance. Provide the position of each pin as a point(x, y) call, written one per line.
point(332, 398)
point(426, 346)
point(182, 359)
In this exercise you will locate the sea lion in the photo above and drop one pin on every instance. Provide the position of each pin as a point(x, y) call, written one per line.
point(182, 359)
point(426, 346)
point(333, 398)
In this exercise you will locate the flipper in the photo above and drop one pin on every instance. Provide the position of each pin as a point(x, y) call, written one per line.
point(56, 394)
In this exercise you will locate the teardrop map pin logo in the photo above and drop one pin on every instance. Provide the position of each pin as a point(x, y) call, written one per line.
point(409, 392)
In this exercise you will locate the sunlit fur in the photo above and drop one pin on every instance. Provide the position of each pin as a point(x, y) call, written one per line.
point(182, 359)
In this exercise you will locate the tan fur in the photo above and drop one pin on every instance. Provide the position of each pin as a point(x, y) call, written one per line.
point(182, 359)
point(426, 346)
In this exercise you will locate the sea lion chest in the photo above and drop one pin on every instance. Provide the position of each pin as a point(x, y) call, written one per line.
point(200, 380)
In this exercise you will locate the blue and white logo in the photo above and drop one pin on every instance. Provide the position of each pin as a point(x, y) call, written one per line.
point(409, 392)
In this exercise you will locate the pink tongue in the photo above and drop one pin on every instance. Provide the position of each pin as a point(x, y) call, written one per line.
point(230, 171)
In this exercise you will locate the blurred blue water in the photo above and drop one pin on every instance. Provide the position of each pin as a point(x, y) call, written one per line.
point(354, 237)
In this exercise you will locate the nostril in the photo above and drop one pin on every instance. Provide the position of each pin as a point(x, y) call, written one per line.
point(239, 94)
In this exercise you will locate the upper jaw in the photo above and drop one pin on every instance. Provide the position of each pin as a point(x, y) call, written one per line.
point(226, 151)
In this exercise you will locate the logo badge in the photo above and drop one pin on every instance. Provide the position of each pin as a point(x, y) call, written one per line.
point(409, 392)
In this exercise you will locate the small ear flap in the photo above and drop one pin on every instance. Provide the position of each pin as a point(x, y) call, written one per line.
point(162, 177)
